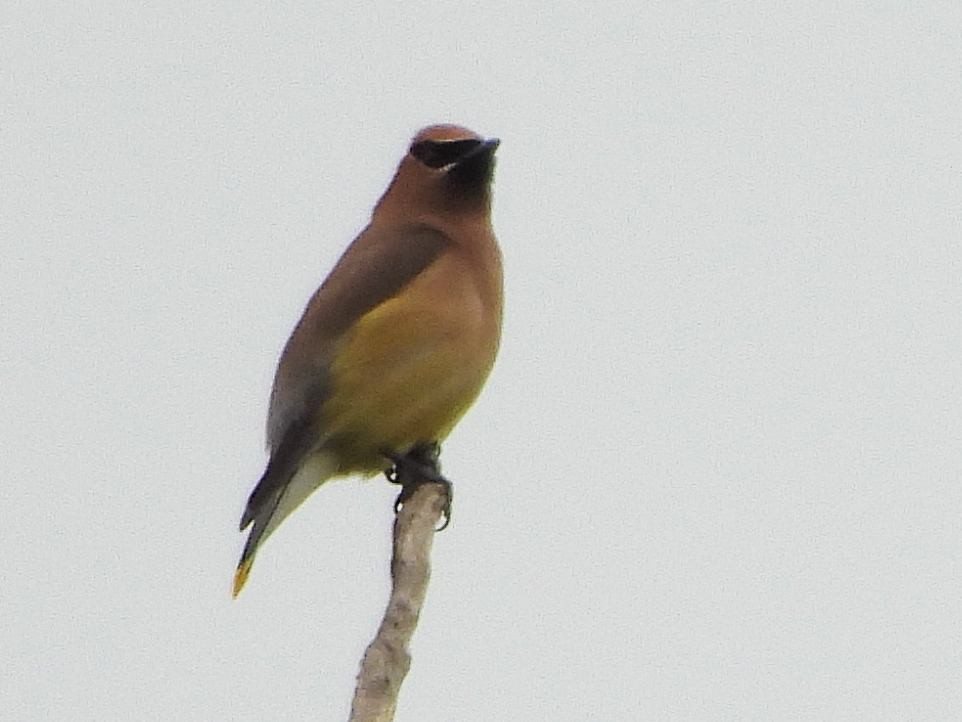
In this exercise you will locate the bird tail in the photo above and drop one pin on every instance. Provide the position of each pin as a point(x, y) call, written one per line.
point(277, 494)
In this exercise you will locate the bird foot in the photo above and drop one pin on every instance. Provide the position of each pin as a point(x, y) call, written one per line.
point(419, 466)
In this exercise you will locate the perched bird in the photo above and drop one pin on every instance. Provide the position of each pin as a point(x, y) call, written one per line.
point(397, 342)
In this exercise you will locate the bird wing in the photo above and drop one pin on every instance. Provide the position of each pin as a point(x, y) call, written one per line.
point(374, 268)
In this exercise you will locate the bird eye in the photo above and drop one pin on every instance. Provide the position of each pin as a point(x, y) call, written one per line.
point(441, 153)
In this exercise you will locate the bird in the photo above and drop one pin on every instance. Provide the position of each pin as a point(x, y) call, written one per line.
point(397, 342)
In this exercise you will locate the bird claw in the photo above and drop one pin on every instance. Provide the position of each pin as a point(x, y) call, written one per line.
point(408, 490)
point(419, 466)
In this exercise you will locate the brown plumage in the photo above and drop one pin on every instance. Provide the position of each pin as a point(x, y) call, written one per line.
point(397, 342)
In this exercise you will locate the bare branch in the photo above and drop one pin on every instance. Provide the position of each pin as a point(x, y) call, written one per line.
point(386, 660)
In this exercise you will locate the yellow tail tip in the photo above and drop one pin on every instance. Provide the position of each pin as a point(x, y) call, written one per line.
point(240, 576)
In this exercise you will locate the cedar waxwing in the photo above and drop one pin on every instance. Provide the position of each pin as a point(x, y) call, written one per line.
point(397, 342)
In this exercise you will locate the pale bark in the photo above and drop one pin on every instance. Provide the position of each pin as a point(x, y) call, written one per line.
point(386, 660)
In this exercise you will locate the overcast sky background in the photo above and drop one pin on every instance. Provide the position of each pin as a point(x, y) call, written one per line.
point(716, 471)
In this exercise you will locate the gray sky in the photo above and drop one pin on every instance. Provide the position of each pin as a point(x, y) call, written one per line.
point(716, 472)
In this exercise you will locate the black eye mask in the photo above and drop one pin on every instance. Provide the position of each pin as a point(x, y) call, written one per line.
point(438, 154)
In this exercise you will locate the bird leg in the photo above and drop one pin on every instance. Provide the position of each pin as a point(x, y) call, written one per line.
point(420, 465)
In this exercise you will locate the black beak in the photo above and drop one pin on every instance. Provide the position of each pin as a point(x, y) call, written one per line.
point(485, 147)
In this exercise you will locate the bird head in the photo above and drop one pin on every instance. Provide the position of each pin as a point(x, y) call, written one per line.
point(446, 166)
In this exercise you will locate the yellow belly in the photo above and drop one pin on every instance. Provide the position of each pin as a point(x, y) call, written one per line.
point(406, 373)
